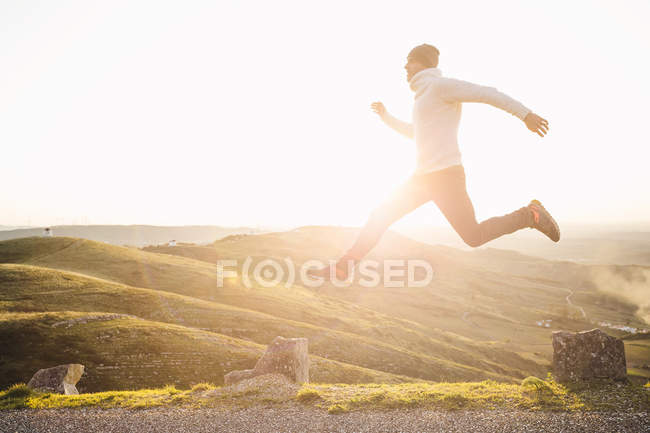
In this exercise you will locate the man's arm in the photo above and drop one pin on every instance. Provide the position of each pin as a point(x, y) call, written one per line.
point(398, 125)
point(454, 90)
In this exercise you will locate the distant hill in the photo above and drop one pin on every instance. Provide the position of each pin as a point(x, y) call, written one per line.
point(608, 245)
point(134, 235)
point(204, 253)
point(2, 228)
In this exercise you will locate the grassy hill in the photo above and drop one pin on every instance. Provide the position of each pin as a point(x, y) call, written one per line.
point(486, 294)
point(27, 288)
point(191, 251)
point(474, 321)
point(125, 352)
point(198, 279)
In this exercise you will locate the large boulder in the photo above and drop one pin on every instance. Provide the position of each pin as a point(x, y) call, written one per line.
point(60, 379)
point(588, 355)
point(287, 356)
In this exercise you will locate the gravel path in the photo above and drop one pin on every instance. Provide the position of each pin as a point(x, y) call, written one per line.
point(295, 417)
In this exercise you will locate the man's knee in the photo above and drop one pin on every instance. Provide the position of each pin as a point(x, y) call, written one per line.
point(472, 239)
point(473, 242)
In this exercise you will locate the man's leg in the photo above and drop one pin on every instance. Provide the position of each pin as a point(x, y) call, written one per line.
point(450, 195)
point(403, 200)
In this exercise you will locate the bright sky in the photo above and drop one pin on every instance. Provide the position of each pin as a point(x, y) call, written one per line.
point(258, 113)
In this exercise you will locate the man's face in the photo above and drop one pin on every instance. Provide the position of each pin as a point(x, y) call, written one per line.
point(413, 67)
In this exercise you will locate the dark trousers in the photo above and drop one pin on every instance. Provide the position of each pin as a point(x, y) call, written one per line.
point(447, 189)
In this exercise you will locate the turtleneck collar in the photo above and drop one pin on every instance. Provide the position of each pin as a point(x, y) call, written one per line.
point(419, 80)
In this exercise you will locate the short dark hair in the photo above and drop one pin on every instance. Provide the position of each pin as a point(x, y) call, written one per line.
point(425, 54)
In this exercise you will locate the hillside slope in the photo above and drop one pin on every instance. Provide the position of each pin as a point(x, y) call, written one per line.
point(126, 352)
point(25, 288)
point(195, 278)
point(484, 294)
point(476, 319)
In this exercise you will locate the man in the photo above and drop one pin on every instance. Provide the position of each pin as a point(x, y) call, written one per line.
point(439, 174)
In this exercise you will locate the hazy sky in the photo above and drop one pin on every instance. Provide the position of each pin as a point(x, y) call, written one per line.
point(246, 113)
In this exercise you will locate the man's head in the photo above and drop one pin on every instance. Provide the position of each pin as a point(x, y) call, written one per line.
point(421, 57)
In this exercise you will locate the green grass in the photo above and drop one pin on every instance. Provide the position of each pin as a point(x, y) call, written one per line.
point(404, 333)
point(30, 288)
point(339, 398)
point(637, 355)
point(336, 330)
point(536, 384)
point(203, 386)
point(126, 352)
point(120, 353)
point(140, 399)
point(545, 395)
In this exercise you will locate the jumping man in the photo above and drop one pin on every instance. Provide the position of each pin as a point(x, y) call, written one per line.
point(439, 174)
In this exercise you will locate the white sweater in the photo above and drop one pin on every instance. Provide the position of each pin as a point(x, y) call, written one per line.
point(436, 115)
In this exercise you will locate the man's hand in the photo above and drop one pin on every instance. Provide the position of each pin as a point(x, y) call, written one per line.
point(378, 108)
point(536, 124)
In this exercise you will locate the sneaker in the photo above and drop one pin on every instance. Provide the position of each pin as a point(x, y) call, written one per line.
point(543, 221)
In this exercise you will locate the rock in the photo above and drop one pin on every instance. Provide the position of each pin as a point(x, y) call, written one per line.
point(275, 387)
point(237, 375)
point(588, 355)
point(60, 379)
point(287, 356)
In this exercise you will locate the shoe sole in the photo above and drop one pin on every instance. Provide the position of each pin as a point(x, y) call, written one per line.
point(550, 217)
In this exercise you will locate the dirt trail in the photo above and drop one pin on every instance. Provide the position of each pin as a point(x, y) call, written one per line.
point(571, 304)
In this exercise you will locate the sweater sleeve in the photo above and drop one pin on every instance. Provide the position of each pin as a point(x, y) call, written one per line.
point(455, 90)
point(398, 125)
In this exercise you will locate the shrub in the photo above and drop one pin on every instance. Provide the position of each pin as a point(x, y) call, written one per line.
point(19, 390)
point(454, 401)
point(336, 408)
point(532, 382)
point(203, 386)
point(307, 395)
point(171, 389)
point(15, 396)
